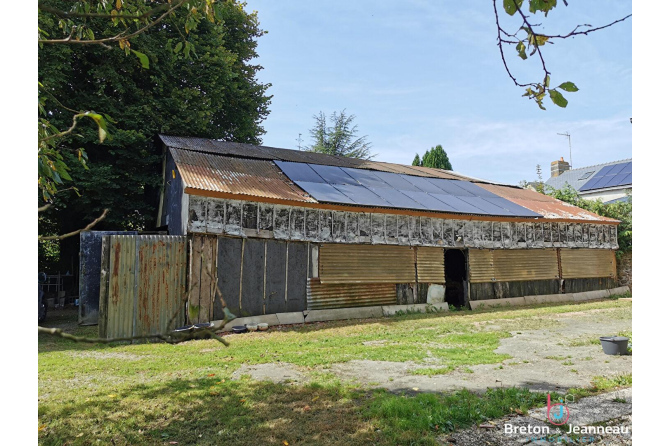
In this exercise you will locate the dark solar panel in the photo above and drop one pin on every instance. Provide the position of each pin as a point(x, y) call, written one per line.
point(430, 202)
point(366, 178)
point(457, 204)
point(396, 198)
point(611, 176)
point(299, 172)
point(423, 184)
point(514, 208)
point(450, 187)
point(370, 188)
point(486, 206)
point(362, 195)
point(475, 189)
point(333, 175)
point(396, 181)
point(324, 192)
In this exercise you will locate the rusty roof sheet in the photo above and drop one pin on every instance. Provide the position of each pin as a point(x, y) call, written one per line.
point(241, 150)
point(547, 206)
point(260, 178)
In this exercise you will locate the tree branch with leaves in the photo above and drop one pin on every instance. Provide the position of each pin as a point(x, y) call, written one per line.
point(527, 43)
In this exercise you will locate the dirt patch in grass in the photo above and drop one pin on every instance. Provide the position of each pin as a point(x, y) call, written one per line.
point(106, 355)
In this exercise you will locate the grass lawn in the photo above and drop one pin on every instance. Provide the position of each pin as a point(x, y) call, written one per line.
point(161, 394)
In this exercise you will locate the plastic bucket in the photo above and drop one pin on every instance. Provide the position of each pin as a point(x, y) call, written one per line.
point(614, 345)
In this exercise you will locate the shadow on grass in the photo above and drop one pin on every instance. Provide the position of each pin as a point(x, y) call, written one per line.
point(211, 411)
point(208, 411)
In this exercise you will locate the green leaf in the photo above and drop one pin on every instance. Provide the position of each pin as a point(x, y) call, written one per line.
point(541, 5)
point(512, 6)
point(144, 60)
point(537, 39)
point(521, 49)
point(557, 98)
point(178, 47)
point(569, 87)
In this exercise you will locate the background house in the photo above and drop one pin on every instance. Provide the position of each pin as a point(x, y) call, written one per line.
point(610, 182)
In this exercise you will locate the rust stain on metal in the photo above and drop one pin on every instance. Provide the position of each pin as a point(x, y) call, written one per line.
point(430, 265)
point(254, 177)
point(340, 263)
point(547, 206)
point(587, 263)
point(320, 295)
point(503, 265)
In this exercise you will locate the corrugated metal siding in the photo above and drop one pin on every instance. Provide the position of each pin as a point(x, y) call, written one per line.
point(502, 265)
point(320, 295)
point(587, 263)
point(366, 264)
point(430, 265)
point(236, 176)
point(144, 284)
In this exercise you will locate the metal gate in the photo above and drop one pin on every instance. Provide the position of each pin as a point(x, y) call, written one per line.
point(142, 284)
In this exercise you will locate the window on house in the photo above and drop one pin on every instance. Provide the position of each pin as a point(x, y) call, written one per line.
point(586, 175)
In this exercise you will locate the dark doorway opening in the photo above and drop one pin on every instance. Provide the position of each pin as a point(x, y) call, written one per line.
point(455, 275)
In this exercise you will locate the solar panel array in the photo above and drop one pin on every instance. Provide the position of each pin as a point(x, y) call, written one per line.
point(344, 185)
point(619, 174)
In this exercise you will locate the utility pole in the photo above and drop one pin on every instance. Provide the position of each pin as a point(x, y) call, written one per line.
point(299, 141)
point(569, 144)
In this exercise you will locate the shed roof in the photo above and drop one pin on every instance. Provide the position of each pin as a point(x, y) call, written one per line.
point(210, 167)
point(235, 149)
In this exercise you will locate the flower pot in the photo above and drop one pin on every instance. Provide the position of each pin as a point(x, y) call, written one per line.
point(614, 345)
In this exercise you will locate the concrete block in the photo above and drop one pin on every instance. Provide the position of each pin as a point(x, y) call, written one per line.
point(491, 303)
point(342, 313)
point(390, 310)
point(270, 319)
point(435, 294)
point(591, 295)
point(444, 306)
point(291, 318)
point(619, 290)
point(548, 298)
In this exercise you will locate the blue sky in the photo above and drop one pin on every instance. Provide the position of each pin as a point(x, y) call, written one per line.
point(421, 73)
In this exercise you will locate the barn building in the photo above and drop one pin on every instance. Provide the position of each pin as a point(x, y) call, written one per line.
point(282, 231)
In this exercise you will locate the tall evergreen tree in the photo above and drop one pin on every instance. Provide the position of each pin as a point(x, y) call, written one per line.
point(435, 157)
point(211, 92)
point(341, 138)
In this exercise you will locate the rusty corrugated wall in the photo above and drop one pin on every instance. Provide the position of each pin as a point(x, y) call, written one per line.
point(142, 285)
point(587, 263)
point(366, 264)
point(430, 265)
point(499, 265)
point(339, 295)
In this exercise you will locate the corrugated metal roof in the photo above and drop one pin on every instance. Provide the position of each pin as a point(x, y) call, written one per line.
point(235, 149)
point(576, 177)
point(545, 205)
point(255, 177)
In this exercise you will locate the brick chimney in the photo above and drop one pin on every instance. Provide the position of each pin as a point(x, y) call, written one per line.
point(558, 167)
